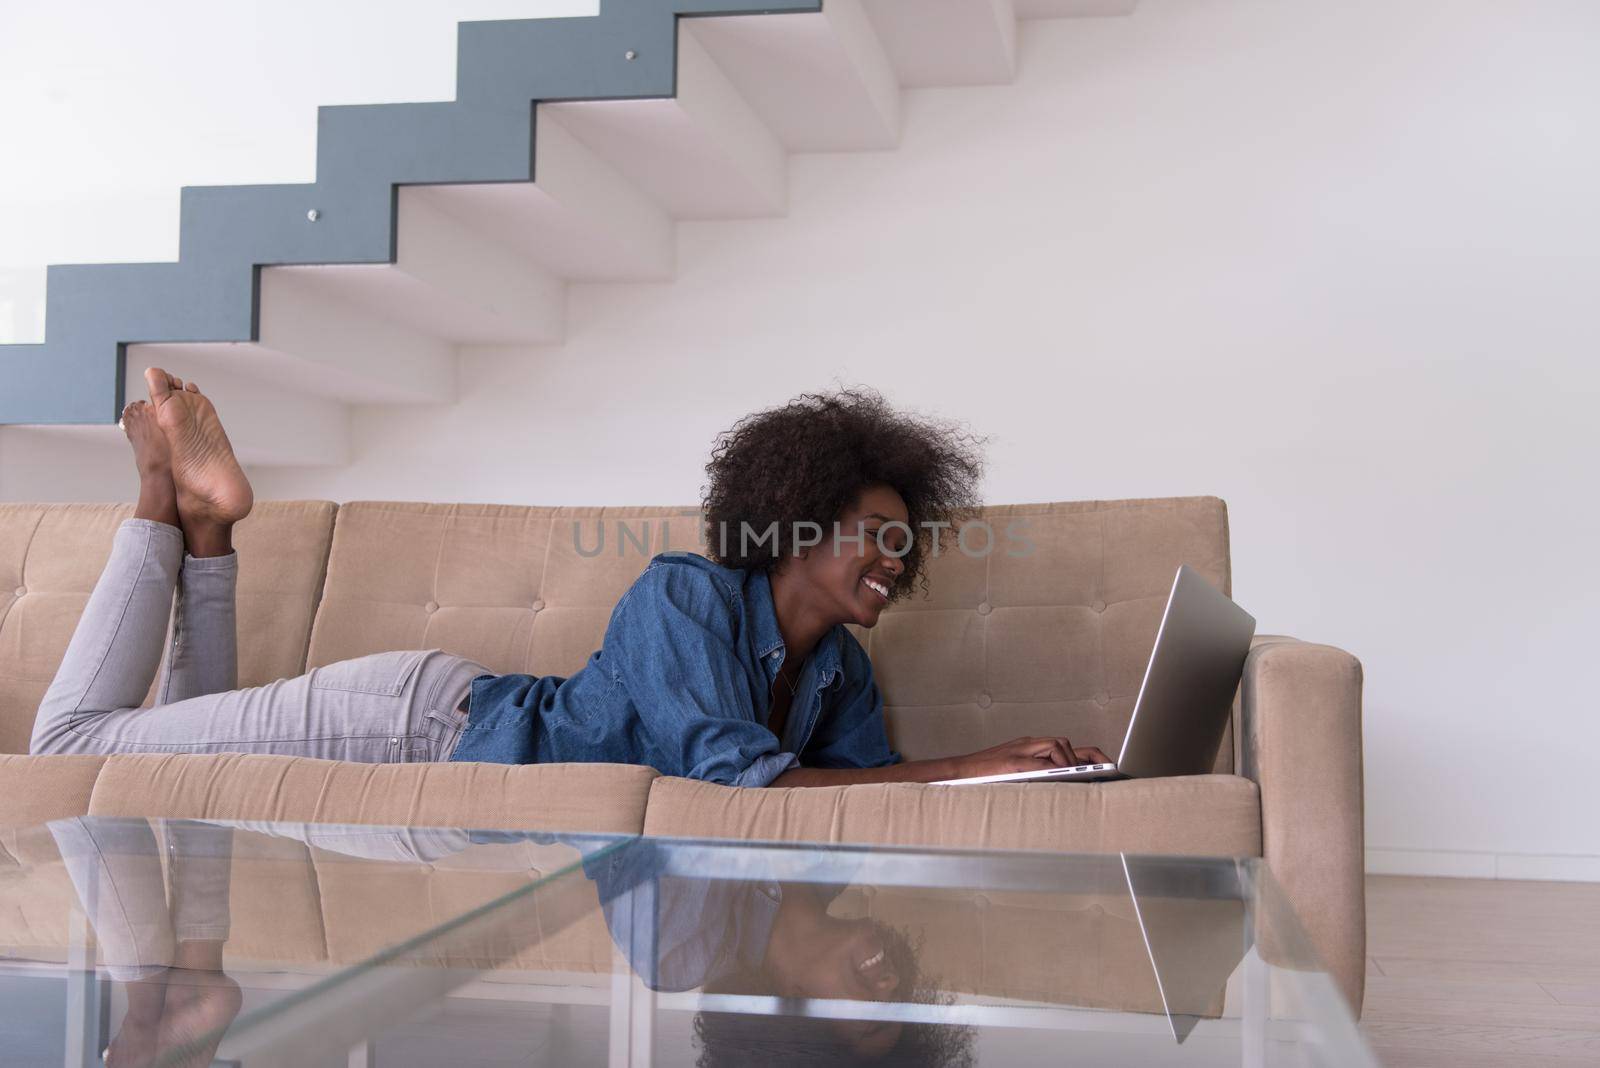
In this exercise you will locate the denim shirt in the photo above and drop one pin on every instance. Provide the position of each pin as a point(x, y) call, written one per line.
point(682, 682)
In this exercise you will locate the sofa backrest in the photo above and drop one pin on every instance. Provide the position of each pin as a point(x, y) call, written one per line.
point(51, 555)
point(1045, 631)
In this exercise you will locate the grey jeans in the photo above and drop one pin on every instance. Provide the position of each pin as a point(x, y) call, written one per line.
point(397, 707)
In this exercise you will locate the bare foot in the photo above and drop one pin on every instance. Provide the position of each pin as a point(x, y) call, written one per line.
point(134, 1045)
point(199, 1006)
point(211, 486)
point(158, 497)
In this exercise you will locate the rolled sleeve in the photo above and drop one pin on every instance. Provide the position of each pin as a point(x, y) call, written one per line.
point(672, 643)
point(764, 769)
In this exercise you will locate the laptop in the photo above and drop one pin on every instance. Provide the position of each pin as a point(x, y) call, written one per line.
point(1186, 695)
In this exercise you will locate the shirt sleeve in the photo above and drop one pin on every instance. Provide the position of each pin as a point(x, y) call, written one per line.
point(672, 644)
point(853, 733)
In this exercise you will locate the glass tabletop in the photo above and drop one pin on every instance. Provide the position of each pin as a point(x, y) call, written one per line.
point(181, 942)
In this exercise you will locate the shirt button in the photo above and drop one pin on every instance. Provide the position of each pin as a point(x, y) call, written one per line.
point(775, 654)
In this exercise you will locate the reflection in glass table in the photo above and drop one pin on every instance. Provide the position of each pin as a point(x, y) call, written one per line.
point(182, 942)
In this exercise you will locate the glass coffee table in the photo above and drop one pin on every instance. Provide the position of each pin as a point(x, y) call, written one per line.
point(179, 942)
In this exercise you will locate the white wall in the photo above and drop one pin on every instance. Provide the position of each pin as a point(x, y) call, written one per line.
point(1326, 261)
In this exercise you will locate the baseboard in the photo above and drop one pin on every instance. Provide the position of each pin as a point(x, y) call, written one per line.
point(1471, 865)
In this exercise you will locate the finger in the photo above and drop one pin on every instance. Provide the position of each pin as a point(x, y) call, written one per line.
point(1038, 752)
point(1062, 753)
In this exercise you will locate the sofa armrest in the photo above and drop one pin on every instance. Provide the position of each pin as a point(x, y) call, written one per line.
point(1300, 741)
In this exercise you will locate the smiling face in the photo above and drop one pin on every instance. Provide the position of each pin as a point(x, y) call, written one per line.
point(856, 960)
point(853, 582)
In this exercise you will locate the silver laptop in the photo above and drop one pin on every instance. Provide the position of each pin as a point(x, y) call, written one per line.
point(1186, 695)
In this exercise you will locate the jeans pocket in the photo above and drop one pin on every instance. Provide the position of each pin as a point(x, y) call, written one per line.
point(443, 728)
point(385, 674)
point(415, 751)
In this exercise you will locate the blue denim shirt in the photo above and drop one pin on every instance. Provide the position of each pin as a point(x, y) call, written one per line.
point(682, 682)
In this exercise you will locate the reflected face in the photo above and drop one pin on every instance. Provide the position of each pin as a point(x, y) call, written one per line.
point(855, 582)
point(855, 960)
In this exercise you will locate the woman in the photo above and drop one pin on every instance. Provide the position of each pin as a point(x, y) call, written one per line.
point(736, 669)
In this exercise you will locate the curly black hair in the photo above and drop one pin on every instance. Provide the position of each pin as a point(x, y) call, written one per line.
point(810, 459)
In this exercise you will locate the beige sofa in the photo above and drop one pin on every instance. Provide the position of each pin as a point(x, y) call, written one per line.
point(1050, 641)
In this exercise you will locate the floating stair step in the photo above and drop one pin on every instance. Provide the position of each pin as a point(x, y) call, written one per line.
point(947, 42)
point(703, 154)
point(271, 422)
point(448, 282)
point(579, 218)
point(820, 81)
point(339, 352)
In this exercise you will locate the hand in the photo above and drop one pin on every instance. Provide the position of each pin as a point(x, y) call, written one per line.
point(1027, 754)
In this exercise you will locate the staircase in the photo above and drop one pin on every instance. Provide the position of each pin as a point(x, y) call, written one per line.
point(572, 148)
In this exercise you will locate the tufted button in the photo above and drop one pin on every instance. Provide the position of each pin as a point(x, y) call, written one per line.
point(431, 606)
point(1101, 698)
point(538, 606)
point(21, 590)
point(984, 700)
point(984, 608)
point(1099, 606)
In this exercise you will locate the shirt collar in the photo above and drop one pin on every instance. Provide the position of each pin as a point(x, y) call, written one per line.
point(829, 655)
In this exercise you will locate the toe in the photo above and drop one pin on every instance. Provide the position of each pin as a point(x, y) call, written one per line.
point(192, 388)
point(158, 382)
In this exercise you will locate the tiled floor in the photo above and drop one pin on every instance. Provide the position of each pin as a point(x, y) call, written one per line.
point(1472, 973)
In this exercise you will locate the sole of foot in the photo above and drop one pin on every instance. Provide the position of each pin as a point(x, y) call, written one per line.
point(211, 486)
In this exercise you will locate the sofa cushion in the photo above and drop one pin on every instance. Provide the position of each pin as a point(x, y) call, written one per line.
point(517, 589)
point(230, 786)
point(38, 789)
point(51, 555)
point(1199, 815)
